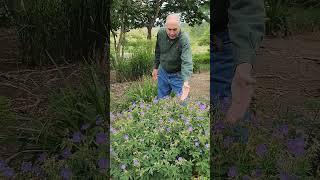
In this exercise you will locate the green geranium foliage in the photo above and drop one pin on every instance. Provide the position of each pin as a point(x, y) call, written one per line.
point(166, 139)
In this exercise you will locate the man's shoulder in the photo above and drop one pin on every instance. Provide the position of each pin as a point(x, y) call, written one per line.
point(184, 37)
point(161, 31)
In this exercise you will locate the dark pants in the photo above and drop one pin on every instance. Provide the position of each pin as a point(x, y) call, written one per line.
point(168, 82)
point(222, 71)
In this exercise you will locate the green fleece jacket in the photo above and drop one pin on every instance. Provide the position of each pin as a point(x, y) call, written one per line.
point(245, 22)
point(174, 55)
point(246, 28)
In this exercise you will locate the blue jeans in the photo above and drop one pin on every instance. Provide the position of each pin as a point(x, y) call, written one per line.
point(222, 70)
point(168, 82)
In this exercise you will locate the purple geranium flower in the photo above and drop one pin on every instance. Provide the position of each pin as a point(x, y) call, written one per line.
point(141, 105)
point(256, 173)
point(232, 172)
point(136, 162)
point(202, 106)
point(123, 166)
point(168, 129)
point(42, 157)
point(284, 129)
point(207, 146)
point(156, 101)
point(170, 120)
point(126, 137)
point(112, 117)
point(113, 130)
point(219, 126)
point(261, 150)
point(3, 165)
point(101, 138)
point(102, 163)
point(196, 144)
point(180, 158)
point(296, 146)
point(26, 167)
point(99, 120)
point(190, 129)
point(227, 141)
point(65, 173)
point(284, 176)
point(76, 137)
point(85, 126)
point(8, 172)
point(66, 153)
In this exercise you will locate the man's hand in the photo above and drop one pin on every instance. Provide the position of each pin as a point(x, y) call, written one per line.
point(242, 89)
point(185, 91)
point(155, 74)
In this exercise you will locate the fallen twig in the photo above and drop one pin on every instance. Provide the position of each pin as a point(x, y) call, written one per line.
point(21, 88)
point(270, 76)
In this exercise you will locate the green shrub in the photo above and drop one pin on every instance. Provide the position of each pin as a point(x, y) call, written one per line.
point(277, 17)
point(201, 62)
point(161, 140)
point(5, 15)
point(144, 90)
point(203, 58)
point(302, 20)
point(134, 68)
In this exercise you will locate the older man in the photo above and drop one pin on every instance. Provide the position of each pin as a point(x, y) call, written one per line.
point(173, 59)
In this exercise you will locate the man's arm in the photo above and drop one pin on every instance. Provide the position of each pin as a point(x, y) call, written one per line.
point(156, 60)
point(186, 66)
point(186, 60)
point(246, 29)
point(157, 54)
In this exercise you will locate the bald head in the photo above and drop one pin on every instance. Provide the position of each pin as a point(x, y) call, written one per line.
point(173, 25)
point(173, 19)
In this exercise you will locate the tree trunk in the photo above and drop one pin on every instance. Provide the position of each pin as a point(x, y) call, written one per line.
point(114, 34)
point(122, 49)
point(149, 32)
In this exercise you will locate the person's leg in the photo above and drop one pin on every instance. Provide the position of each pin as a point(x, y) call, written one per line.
point(221, 70)
point(176, 83)
point(164, 88)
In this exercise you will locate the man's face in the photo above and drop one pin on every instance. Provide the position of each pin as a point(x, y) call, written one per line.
point(172, 29)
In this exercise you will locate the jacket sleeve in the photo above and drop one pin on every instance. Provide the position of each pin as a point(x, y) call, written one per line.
point(186, 59)
point(246, 28)
point(157, 54)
